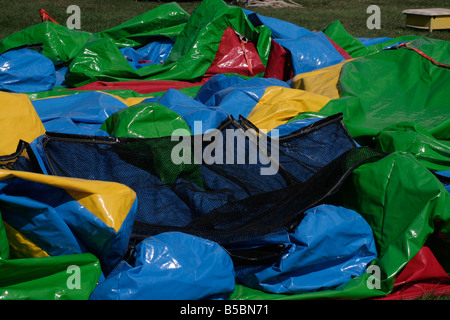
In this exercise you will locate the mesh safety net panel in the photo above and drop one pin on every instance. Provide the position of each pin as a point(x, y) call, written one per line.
point(22, 160)
point(218, 192)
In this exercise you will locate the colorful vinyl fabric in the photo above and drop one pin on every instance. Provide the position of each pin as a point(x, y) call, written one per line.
point(94, 206)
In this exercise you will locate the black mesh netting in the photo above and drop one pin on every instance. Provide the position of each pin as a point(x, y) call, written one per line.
point(21, 160)
point(219, 192)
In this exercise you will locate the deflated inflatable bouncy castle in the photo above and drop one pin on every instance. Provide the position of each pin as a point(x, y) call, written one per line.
point(222, 155)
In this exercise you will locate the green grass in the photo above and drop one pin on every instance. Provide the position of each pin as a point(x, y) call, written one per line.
point(434, 298)
point(314, 15)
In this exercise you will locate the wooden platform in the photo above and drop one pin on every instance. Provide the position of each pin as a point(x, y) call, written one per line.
point(431, 19)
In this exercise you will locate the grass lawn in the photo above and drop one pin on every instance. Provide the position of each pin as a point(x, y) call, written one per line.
point(314, 15)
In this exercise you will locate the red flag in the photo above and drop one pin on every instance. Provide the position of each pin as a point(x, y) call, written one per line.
point(46, 17)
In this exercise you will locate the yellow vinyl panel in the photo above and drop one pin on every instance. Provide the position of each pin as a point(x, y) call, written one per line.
point(279, 104)
point(18, 120)
point(21, 246)
point(109, 201)
point(323, 81)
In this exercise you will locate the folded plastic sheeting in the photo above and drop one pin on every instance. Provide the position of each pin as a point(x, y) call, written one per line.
point(309, 50)
point(402, 209)
point(25, 70)
point(41, 37)
point(414, 139)
point(179, 266)
point(370, 106)
point(174, 266)
point(355, 47)
point(268, 103)
point(52, 216)
point(49, 278)
point(77, 113)
point(421, 276)
point(167, 20)
point(28, 273)
point(315, 259)
point(424, 207)
point(193, 51)
point(96, 204)
point(144, 120)
point(154, 52)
